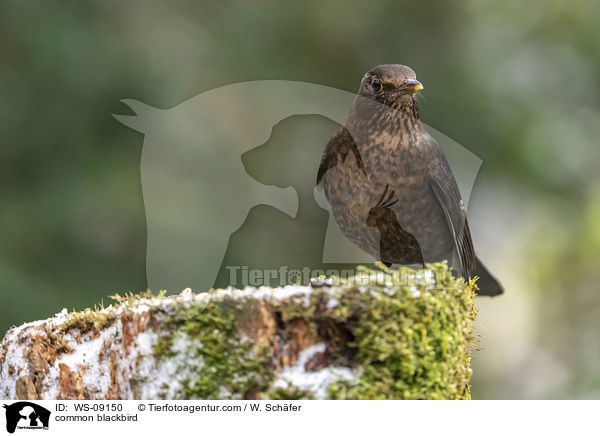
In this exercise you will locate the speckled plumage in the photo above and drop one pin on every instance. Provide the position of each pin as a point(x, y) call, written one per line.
point(384, 147)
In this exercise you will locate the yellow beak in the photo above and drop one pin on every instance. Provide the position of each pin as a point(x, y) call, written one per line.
point(412, 85)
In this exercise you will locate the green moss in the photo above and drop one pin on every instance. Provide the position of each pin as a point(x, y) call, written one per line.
point(408, 346)
point(290, 392)
point(87, 320)
point(130, 298)
point(97, 319)
point(223, 365)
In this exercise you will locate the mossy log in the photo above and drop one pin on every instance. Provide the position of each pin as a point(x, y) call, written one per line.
point(390, 334)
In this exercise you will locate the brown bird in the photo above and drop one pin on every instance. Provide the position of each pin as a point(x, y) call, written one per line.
point(384, 148)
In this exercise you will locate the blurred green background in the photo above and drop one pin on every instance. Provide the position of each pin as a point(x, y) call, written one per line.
point(514, 82)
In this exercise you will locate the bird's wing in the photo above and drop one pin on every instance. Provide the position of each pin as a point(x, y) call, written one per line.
point(457, 224)
point(338, 147)
point(446, 192)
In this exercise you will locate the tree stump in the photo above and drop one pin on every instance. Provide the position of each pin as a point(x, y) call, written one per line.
point(382, 334)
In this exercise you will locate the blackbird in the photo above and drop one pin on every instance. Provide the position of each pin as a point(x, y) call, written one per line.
point(389, 184)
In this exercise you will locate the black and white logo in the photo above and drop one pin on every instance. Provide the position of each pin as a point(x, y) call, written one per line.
point(26, 415)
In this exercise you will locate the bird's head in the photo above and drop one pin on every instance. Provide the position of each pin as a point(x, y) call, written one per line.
point(390, 84)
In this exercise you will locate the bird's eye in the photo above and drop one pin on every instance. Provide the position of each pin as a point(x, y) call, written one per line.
point(376, 85)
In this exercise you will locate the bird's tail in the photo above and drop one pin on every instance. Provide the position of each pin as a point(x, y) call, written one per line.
point(487, 283)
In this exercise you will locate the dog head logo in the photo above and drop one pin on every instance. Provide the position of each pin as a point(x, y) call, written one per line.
point(26, 415)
